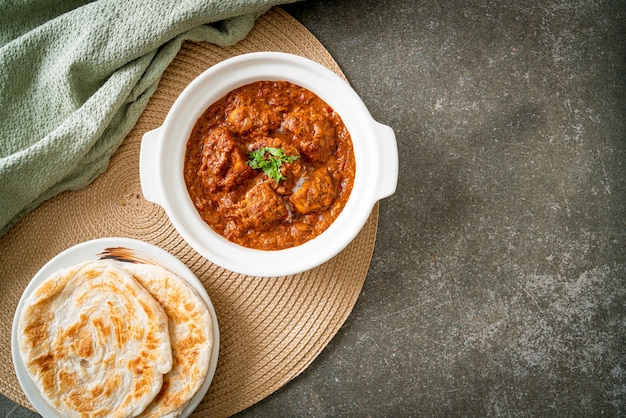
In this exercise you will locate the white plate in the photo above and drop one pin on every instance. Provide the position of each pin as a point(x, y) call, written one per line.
point(94, 250)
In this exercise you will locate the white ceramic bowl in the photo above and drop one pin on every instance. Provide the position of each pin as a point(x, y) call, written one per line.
point(163, 151)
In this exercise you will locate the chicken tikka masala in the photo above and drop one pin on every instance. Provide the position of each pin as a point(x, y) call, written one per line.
point(270, 165)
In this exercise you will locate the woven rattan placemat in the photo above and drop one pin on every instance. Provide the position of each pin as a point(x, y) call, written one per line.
point(271, 329)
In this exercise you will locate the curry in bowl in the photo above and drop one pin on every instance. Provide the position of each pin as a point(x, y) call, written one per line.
point(269, 166)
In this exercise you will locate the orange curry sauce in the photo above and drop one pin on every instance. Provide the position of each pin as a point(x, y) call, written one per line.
point(247, 206)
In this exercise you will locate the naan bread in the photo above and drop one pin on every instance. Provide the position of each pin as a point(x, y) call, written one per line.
point(190, 335)
point(95, 342)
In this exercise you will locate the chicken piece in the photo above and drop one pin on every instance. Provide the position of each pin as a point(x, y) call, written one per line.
point(313, 132)
point(223, 160)
point(253, 119)
point(238, 170)
point(316, 193)
point(262, 207)
point(216, 147)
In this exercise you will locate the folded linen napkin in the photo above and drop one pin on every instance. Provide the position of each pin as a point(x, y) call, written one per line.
point(75, 76)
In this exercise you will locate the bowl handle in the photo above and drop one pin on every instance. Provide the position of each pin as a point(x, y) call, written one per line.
point(387, 160)
point(150, 165)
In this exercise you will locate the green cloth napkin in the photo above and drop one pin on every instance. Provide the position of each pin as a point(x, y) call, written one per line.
point(75, 76)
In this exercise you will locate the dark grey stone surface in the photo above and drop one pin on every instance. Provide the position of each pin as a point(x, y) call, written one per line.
point(498, 282)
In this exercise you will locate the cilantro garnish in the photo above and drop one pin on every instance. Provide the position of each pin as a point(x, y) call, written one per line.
point(270, 159)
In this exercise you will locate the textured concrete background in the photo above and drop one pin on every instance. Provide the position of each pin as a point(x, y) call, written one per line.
point(498, 283)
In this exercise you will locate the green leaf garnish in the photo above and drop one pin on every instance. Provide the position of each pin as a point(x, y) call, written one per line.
point(270, 159)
